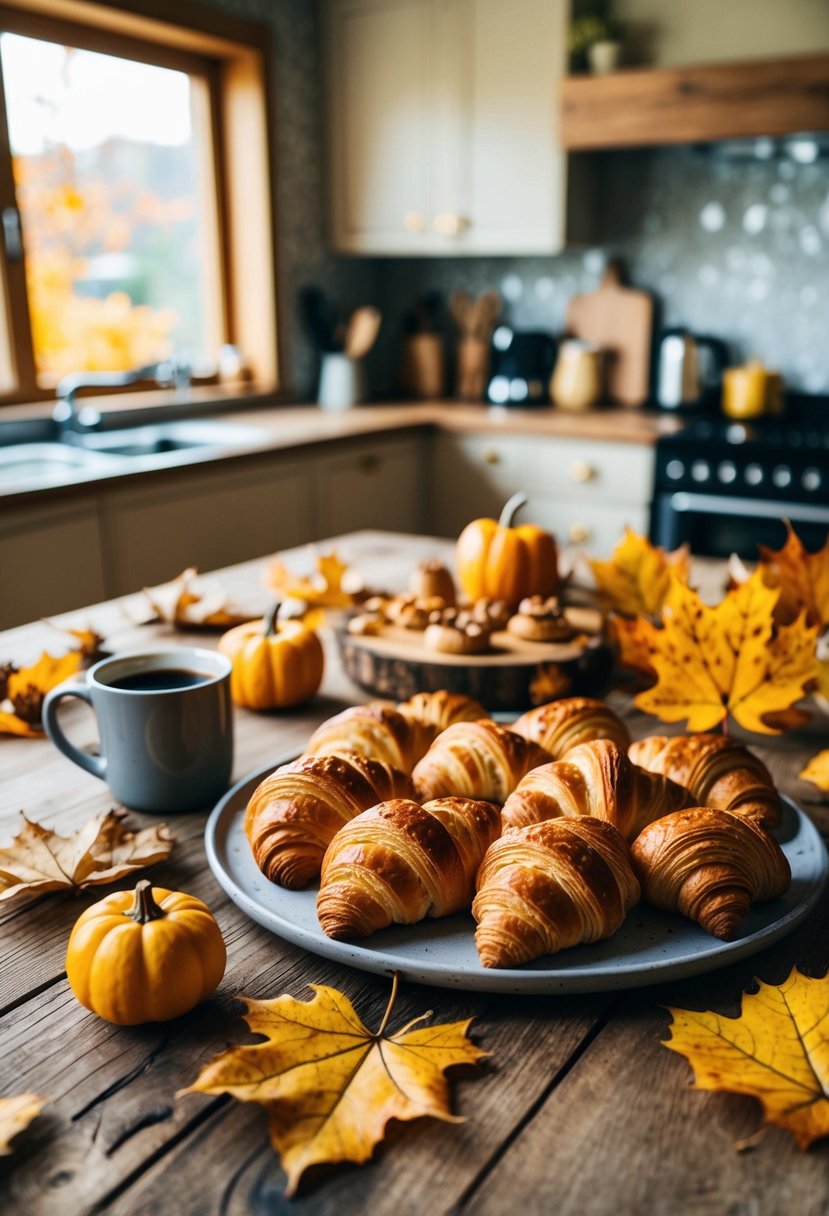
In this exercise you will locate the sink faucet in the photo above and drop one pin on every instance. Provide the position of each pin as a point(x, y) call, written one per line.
point(170, 373)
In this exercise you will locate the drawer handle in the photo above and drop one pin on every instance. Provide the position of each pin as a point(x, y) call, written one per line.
point(447, 224)
point(414, 221)
point(369, 463)
point(580, 470)
point(580, 533)
point(491, 456)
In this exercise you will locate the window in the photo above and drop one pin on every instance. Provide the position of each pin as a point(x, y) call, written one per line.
point(119, 191)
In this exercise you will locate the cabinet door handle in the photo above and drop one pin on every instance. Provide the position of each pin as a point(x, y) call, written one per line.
point(369, 463)
point(491, 456)
point(580, 470)
point(414, 221)
point(580, 533)
point(446, 223)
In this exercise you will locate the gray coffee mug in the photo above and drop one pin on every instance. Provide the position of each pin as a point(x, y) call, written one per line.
point(166, 726)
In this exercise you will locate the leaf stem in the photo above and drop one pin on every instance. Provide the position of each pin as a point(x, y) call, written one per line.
point(395, 980)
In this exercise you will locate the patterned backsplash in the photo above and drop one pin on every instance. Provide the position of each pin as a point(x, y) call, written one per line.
point(734, 248)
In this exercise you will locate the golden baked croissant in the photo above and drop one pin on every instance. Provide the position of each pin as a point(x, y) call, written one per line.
point(560, 725)
point(441, 709)
point(718, 771)
point(399, 862)
point(551, 885)
point(294, 814)
point(595, 779)
point(710, 865)
point(475, 760)
point(376, 730)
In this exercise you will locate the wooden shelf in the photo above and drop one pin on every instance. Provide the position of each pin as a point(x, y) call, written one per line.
point(696, 104)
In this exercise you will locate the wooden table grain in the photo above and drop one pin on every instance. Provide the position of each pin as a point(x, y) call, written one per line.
point(578, 1111)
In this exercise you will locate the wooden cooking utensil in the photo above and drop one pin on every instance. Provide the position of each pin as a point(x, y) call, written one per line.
point(619, 320)
point(361, 331)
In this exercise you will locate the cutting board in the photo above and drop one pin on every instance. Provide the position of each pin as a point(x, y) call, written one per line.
point(620, 321)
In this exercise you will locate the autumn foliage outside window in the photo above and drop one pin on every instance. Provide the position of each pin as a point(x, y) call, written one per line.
point(112, 163)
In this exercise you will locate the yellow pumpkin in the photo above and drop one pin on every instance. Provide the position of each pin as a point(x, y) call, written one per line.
point(274, 665)
point(145, 956)
point(506, 562)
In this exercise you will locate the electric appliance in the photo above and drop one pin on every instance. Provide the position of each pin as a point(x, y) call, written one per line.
point(689, 370)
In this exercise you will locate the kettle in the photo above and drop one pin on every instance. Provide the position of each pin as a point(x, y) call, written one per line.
point(689, 370)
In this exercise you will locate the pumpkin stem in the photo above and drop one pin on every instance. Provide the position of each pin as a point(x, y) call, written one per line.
point(144, 908)
point(512, 505)
point(270, 621)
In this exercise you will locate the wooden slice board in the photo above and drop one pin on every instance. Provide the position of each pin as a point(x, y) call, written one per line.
point(513, 675)
point(619, 320)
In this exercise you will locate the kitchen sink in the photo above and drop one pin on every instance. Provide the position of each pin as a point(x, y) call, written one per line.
point(163, 437)
point(92, 454)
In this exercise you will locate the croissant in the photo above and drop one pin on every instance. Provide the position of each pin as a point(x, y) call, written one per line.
point(710, 865)
point(560, 725)
point(441, 709)
point(295, 813)
point(399, 862)
point(551, 885)
point(718, 771)
point(376, 730)
point(594, 779)
point(475, 760)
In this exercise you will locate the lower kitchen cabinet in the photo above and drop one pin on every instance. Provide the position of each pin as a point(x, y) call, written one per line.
point(584, 490)
point(50, 560)
point(380, 485)
point(205, 518)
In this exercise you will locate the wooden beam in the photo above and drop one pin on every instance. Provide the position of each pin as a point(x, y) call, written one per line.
point(696, 104)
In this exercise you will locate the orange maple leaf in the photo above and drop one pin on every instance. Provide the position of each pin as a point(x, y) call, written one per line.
point(817, 771)
point(802, 578)
point(330, 1085)
point(635, 641)
point(26, 687)
point(637, 578)
point(729, 659)
point(777, 1051)
point(322, 590)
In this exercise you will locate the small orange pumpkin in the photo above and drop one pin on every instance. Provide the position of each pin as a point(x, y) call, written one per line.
point(145, 956)
point(506, 562)
point(274, 665)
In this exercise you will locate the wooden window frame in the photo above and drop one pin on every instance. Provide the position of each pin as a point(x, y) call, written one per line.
point(231, 56)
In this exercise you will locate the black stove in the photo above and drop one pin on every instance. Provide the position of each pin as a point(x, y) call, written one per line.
point(728, 486)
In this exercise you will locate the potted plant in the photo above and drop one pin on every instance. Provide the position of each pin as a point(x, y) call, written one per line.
point(596, 39)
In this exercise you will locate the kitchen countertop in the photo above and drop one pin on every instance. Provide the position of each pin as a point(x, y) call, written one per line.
point(579, 1109)
point(286, 428)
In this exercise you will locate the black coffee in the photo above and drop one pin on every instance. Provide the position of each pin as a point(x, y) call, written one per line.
point(162, 679)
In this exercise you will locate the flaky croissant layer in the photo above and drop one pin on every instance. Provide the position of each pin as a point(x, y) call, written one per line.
point(561, 725)
point(475, 760)
point(718, 772)
point(294, 814)
point(709, 865)
point(551, 885)
point(399, 862)
point(594, 779)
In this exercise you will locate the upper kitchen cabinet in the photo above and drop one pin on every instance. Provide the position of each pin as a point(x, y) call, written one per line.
point(443, 128)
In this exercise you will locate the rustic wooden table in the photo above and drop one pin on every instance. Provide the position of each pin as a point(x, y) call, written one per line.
point(578, 1111)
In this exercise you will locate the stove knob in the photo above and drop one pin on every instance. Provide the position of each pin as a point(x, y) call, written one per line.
point(811, 479)
point(675, 469)
point(700, 470)
point(727, 472)
point(782, 476)
point(753, 474)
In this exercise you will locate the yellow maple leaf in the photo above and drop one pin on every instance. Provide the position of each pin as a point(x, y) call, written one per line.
point(25, 688)
point(322, 590)
point(329, 1085)
point(729, 659)
point(801, 577)
point(817, 771)
point(777, 1051)
point(16, 1113)
point(635, 641)
point(637, 578)
point(105, 848)
point(183, 603)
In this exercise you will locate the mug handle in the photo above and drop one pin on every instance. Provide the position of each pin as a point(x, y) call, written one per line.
point(96, 765)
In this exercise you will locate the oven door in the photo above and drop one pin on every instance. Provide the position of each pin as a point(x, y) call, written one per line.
point(717, 526)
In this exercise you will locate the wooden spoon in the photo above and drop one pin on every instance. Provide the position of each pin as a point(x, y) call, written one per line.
point(361, 331)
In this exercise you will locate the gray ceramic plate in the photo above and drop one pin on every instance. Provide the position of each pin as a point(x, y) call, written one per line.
point(650, 947)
